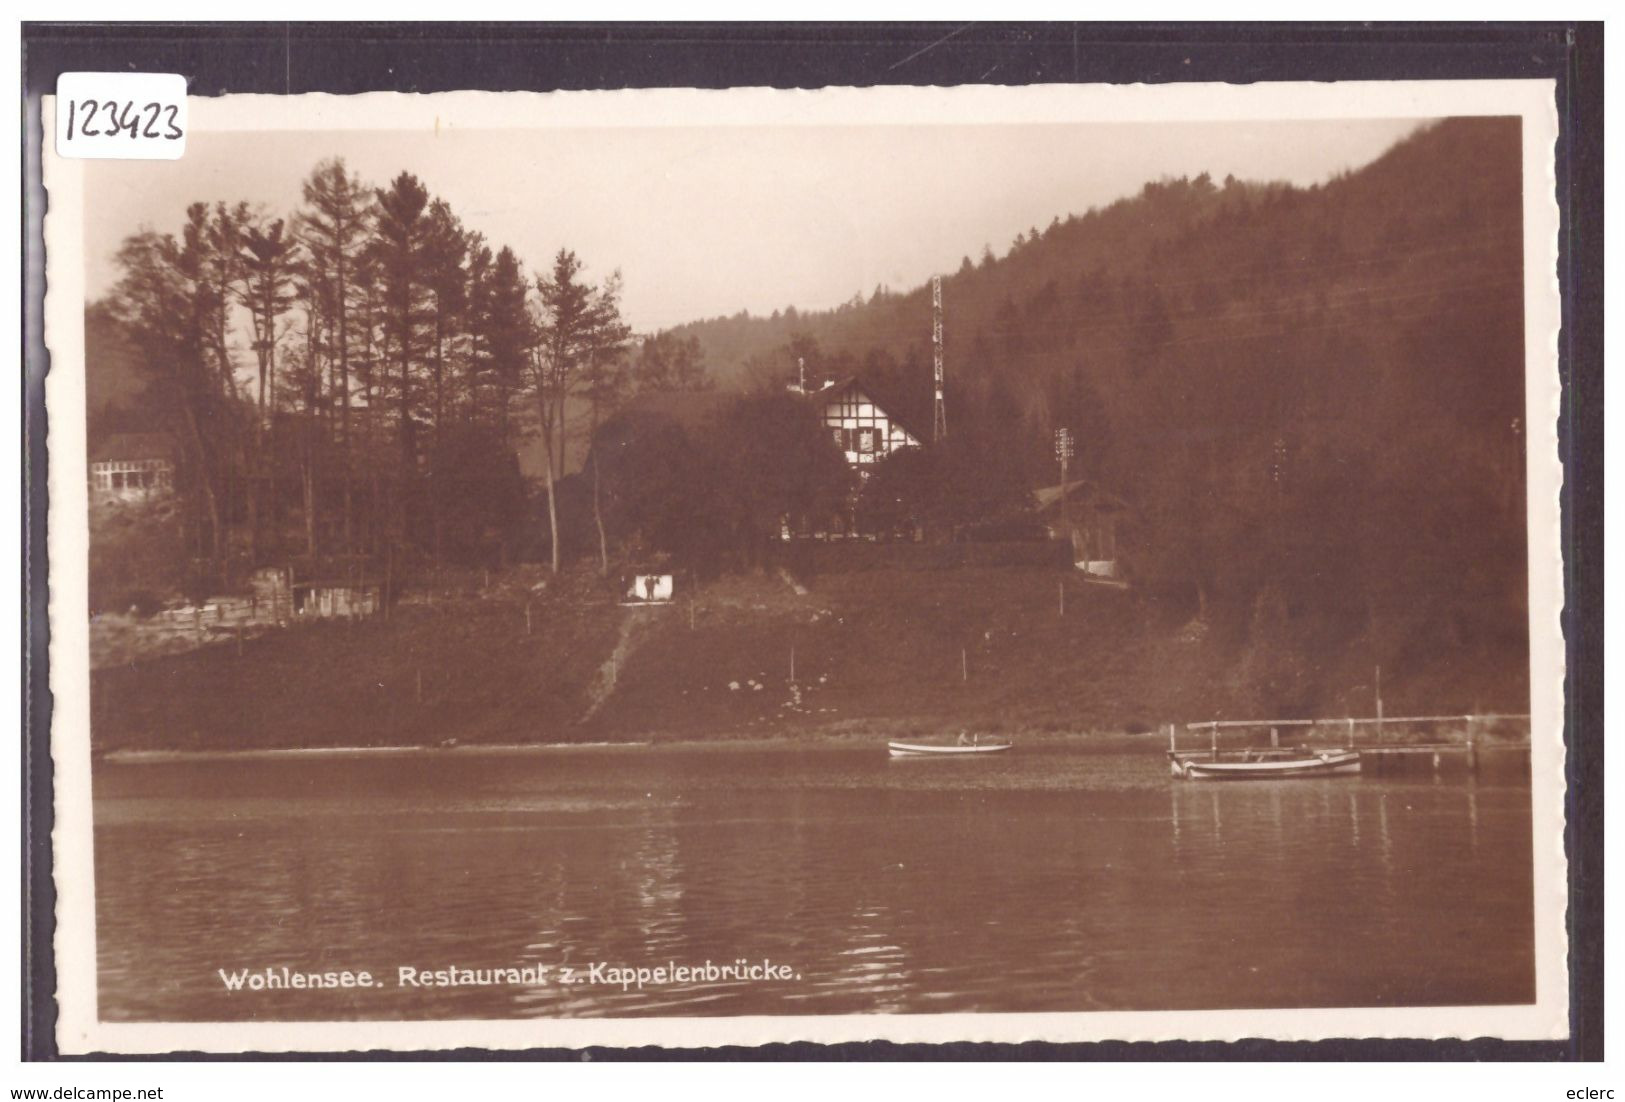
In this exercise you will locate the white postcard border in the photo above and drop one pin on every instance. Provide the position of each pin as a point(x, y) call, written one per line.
point(79, 1028)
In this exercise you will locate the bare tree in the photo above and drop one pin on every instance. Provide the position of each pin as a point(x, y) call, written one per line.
point(563, 327)
point(604, 382)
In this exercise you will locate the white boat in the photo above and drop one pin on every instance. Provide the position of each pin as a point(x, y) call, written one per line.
point(1268, 765)
point(921, 749)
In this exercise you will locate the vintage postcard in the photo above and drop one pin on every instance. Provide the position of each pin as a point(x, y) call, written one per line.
point(719, 567)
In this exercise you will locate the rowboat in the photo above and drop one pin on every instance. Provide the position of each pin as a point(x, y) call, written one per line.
point(923, 749)
point(1268, 765)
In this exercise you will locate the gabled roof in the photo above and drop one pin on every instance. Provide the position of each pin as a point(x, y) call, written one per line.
point(128, 446)
point(1081, 489)
point(895, 410)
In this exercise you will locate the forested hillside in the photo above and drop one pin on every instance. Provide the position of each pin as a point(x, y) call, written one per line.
point(1311, 397)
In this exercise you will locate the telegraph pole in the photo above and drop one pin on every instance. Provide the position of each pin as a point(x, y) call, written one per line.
point(939, 422)
point(1064, 448)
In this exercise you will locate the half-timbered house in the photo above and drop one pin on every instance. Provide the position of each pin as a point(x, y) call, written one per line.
point(864, 431)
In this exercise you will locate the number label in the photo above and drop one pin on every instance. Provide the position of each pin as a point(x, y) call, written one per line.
point(130, 116)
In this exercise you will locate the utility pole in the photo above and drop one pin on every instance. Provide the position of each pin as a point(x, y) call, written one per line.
point(1064, 448)
point(939, 420)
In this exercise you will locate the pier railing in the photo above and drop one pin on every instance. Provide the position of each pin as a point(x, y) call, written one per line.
point(1378, 735)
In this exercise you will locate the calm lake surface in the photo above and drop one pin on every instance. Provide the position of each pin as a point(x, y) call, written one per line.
point(1048, 878)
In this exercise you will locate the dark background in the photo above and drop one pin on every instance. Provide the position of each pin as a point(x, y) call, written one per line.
point(353, 57)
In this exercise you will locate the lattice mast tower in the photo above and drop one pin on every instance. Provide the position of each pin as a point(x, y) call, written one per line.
point(939, 418)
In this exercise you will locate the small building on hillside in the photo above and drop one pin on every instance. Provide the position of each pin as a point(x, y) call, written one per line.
point(336, 599)
point(276, 595)
point(1087, 515)
point(648, 589)
point(132, 466)
point(865, 432)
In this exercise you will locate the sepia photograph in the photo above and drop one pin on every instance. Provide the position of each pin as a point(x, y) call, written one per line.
point(725, 567)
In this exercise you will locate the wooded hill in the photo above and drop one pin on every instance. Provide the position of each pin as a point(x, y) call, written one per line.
point(1312, 397)
point(1309, 398)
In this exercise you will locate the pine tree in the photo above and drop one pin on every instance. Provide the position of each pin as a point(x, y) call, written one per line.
point(167, 303)
point(268, 258)
point(333, 228)
point(399, 244)
point(445, 257)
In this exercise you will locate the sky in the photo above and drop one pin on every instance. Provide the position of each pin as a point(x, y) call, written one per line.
point(708, 221)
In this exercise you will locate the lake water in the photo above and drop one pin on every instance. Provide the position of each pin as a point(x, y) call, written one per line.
point(1048, 878)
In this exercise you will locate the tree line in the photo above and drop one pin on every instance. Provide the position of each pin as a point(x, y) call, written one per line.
point(1310, 398)
point(353, 379)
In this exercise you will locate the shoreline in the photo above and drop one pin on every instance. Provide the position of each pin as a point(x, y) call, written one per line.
point(826, 740)
point(1149, 741)
point(859, 658)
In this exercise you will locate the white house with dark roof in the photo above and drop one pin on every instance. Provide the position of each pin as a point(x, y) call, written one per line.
point(863, 431)
point(866, 433)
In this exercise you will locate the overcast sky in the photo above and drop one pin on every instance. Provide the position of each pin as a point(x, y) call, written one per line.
point(709, 221)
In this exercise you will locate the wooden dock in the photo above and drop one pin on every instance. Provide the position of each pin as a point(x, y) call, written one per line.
point(1384, 742)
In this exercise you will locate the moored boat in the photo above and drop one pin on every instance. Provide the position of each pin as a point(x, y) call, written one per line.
point(1268, 765)
point(926, 749)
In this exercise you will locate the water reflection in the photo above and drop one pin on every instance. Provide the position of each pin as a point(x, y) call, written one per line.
point(871, 965)
point(1472, 812)
point(1041, 880)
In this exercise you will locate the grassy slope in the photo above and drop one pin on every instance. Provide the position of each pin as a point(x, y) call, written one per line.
point(333, 684)
point(876, 652)
point(882, 650)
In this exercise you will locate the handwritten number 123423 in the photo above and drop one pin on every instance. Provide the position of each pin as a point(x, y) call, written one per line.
point(95, 118)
